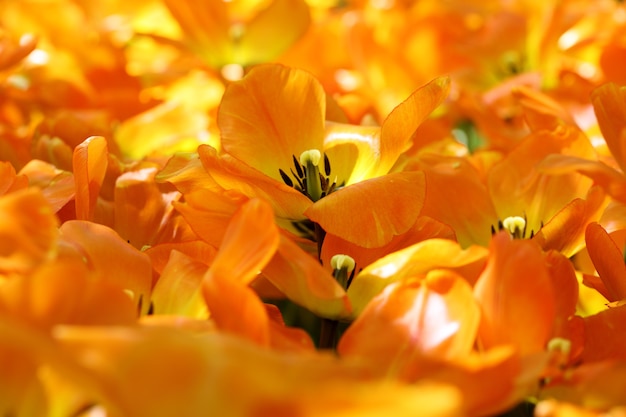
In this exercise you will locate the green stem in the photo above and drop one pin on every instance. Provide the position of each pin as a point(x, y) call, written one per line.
point(328, 334)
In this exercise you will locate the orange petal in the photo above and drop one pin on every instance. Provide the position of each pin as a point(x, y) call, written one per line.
point(235, 308)
point(604, 336)
point(517, 296)
point(272, 115)
point(457, 196)
point(609, 104)
point(412, 261)
point(519, 167)
point(248, 244)
point(63, 292)
point(565, 231)
point(423, 229)
point(110, 258)
point(141, 208)
point(304, 281)
point(57, 186)
point(370, 213)
point(28, 231)
point(399, 127)
point(9, 180)
point(232, 174)
point(177, 292)
point(563, 277)
point(435, 316)
point(272, 31)
point(613, 182)
point(608, 260)
point(89, 165)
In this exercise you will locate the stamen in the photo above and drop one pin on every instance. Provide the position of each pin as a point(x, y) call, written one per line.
point(285, 177)
point(515, 225)
point(343, 269)
point(310, 161)
point(326, 165)
point(298, 167)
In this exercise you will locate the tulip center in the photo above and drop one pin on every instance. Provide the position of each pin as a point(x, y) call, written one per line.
point(515, 226)
point(307, 177)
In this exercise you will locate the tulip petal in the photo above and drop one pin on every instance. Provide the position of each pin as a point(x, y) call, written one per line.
point(89, 164)
point(414, 260)
point(435, 316)
point(110, 258)
point(270, 116)
point(304, 281)
point(609, 104)
point(250, 241)
point(608, 260)
point(517, 296)
point(399, 127)
point(370, 213)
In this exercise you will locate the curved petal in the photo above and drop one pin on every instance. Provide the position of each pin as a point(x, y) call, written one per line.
point(249, 242)
point(517, 296)
point(423, 229)
point(177, 291)
point(565, 232)
point(608, 260)
point(28, 231)
point(414, 260)
point(609, 104)
point(232, 174)
point(435, 316)
point(370, 213)
point(304, 281)
point(89, 165)
point(141, 208)
point(272, 31)
point(273, 114)
point(399, 127)
point(110, 258)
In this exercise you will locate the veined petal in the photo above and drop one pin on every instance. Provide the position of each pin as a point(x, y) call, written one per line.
point(232, 174)
point(353, 151)
point(251, 239)
point(110, 258)
point(89, 166)
point(399, 127)
point(235, 308)
point(423, 229)
point(272, 31)
point(412, 261)
point(28, 231)
point(370, 213)
point(141, 208)
point(608, 260)
point(177, 292)
point(304, 281)
point(565, 232)
point(434, 316)
point(609, 104)
point(271, 115)
point(57, 186)
point(517, 296)
point(206, 27)
point(613, 181)
point(10, 180)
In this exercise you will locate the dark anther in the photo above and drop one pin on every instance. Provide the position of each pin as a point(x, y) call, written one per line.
point(351, 277)
point(300, 183)
point(299, 169)
point(285, 177)
point(493, 230)
point(326, 165)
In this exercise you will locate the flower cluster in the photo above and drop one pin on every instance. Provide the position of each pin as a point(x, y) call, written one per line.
point(312, 208)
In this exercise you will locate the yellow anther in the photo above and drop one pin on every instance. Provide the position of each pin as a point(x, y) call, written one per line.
point(346, 262)
point(312, 156)
point(515, 225)
point(561, 345)
point(343, 267)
